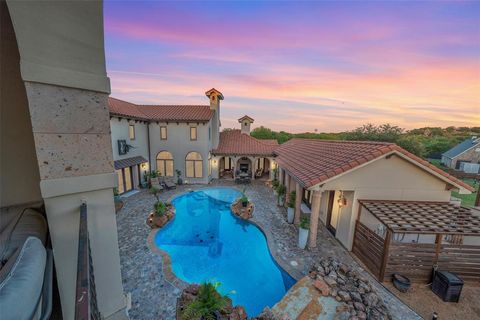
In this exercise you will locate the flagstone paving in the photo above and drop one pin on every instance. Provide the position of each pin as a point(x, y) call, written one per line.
point(154, 296)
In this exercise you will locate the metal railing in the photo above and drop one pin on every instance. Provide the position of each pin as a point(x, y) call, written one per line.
point(86, 307)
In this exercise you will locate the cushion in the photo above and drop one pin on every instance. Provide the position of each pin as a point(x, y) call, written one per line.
point(24, 282)
point(29, 223)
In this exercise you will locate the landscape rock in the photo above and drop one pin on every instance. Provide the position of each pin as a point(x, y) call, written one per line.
point(344, 295)
point(322, 287)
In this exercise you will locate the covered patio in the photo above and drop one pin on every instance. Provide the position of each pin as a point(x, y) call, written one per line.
point(411, 237)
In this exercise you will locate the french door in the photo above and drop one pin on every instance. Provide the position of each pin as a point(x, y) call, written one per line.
point(125, 180)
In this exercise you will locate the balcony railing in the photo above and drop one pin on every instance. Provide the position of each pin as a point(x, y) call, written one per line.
point(86, 298)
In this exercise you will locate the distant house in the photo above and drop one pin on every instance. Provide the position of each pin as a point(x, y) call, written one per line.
point(467, 151)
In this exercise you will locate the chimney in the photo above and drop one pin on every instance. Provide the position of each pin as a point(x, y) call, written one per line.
point(245, 123)
point(215, 96)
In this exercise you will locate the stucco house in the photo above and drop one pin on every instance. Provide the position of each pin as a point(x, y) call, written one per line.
point(332, 177)
point(467, 151)
point(187, 138)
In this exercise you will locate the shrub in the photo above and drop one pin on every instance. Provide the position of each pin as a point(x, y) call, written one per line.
point(275, 184)
point(291, 199)
point(160, 207)
point(304, 223)
point(281, 190)
point(206, 304)
point(244, 198)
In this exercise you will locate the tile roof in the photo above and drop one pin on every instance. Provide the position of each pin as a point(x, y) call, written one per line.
point(462, 147)
point(194, 113)
point(312, 161)
point(272, 142)
point(128, 162)
point(234, 142)
point(423, 217)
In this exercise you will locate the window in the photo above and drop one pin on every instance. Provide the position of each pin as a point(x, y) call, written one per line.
point(194, 165)
point(193, 133)
point(165, 163)
point(131, 131)
point(163, 133)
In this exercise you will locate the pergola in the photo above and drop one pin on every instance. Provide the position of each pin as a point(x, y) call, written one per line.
point(447, 236)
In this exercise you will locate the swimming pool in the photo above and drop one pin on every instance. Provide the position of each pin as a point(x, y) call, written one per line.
point(207, 242)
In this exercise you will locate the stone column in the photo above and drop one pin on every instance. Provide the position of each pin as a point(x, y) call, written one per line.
point(280, 175)
point(288, 188)
point(312, 237)
point(298, 203)
point(254, 163)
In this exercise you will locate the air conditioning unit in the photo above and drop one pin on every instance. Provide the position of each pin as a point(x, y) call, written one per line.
point(447, 286)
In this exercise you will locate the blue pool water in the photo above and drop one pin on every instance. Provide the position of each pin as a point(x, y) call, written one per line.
point(207, 242)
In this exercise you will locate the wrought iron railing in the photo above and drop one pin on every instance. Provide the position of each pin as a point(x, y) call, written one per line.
point(86, 307)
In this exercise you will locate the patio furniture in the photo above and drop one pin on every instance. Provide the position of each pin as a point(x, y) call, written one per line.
point(156, 184)
point(169, 184)
point(258, 173)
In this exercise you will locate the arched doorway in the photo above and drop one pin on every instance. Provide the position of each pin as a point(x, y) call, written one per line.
point(225, 167)
point(243, 165)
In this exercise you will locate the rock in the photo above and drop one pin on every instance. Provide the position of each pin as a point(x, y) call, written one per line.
point(330, 281)
point(240, 311)
point(359, 306)
point(370, 299)
point(333, 274)
point(344, 295)
point(192, 289)
point(342, 316)
point(321, 270)
point(333, 292)
point(341, 308)
point(322, 287)
point(361, 315)
point(341, 281)
point(313, 274)
point(356, 296)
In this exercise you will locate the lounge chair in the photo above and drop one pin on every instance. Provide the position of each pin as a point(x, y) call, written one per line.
point(259, 173)
point(156, 184)
point(170, 184)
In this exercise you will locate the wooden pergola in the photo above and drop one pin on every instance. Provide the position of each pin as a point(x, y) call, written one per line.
point(442, 227)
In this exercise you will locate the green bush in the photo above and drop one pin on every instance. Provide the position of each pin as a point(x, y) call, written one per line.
point(160, 207)
point(291, 199)
point(304, 223)
point(244, 198)
point(206, 304)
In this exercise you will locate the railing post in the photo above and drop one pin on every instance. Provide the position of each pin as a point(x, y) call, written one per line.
point(386, 249)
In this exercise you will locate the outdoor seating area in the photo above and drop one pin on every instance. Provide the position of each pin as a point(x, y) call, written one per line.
point(412, 237)
point(243, 177)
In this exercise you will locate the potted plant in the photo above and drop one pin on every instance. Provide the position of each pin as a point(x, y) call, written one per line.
point(207, 304)
point(144, 183)
point(244, 199)
point(291, 207)
point(154, 178)
point(275, 186)
point(179, 177)
point(281, 194)
point(116, 196)
point(303, 232)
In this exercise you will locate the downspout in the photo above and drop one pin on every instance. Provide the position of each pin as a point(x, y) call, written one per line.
point(148, 141)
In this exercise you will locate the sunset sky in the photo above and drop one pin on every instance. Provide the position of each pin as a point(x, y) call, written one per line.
point(330, 66)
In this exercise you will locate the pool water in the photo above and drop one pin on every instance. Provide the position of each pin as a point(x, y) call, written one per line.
point(206, 242)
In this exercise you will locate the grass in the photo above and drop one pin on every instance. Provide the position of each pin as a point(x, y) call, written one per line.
point(468, 200)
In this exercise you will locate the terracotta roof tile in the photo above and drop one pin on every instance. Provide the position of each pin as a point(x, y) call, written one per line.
point(234, 142)
point(199, 113)
point(312, 161)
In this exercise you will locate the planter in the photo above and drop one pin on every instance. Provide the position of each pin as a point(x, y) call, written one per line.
point(302, 238)
point(281, 201)
point(179, 181)
point(400, 282)
point(290, 214)
point(244, 204)
point(117, 199)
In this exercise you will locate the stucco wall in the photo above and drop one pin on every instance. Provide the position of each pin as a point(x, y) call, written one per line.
point(19, 178)
point(385, 179)
point(179, 144)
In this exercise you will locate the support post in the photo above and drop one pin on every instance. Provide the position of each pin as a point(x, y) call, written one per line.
point(386, 248)
point(438, 244)
point(280, 175)
point(312, 237)
point(298, 203)
point(288, 189)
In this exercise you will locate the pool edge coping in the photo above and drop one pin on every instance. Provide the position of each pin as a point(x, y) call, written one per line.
point(172, 278)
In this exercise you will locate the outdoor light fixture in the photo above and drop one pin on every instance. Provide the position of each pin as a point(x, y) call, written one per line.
point(342, 201)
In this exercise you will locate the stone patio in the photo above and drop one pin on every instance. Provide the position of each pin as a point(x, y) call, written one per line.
point(154, 297)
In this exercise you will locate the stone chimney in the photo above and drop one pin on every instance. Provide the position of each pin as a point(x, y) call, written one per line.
point(215, 96)
point(245, 123)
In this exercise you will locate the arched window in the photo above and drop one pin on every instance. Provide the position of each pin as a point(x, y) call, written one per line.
point(194, 165)
point(165, 163)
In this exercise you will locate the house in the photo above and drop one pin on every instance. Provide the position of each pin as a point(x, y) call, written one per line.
point(184, 138)
point(467, 151)
point(331, 178)
point(163, 138)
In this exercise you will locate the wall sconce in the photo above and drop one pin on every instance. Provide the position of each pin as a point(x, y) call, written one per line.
point(342, 201)
point(144, 166)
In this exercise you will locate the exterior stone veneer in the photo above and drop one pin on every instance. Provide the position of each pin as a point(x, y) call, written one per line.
point(71, 131)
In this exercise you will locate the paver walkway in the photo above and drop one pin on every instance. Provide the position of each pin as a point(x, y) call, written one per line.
point(153, 297)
